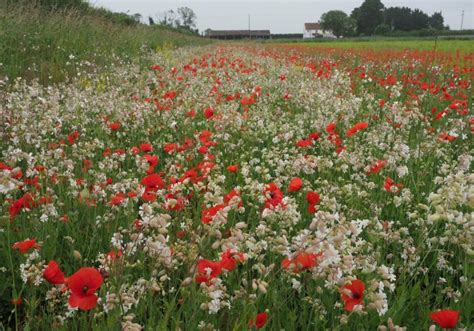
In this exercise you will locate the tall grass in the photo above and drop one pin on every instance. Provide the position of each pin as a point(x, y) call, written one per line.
point(39, 42)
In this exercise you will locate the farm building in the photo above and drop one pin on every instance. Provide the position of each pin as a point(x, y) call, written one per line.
point(238, 34)
point(314, 30)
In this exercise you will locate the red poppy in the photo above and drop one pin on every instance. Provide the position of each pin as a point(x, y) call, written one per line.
point(232, 194)
point(352, 294)
point(208, 112)
point(25, 245)
point(4, 166)
point(447, 137)
point(72, 137)
point(114, 254)
point(208, 214)
point(203, 150)
point(295, 185)
point(314, 135)
point(301, 261)
point(229, 260)
point(17, 173)
point(207, 270)
point(151, 159)
point(83, 284)
point(446, 318)
point(17, 302)
point(146, 147)
point(170, 95)
point(53, 274)
point(274, 196)
point(138, 224)
point(259, 321)
point(248, 100)
point(389, 183)
point(153, 182)
point(376, 167)
point(117, 199)
point(191, 113)
point(304, 143)
point(149, 196)
point(312, 197)
point(232, 168)
point(170, 148)
point(107, 152)
point(331, 128)
point(64, 218)
point(26, 201)
point(86, 165)
point(114, 126)
point(356, 128)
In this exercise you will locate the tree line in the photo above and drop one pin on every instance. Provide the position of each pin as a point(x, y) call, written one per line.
point(373, 18)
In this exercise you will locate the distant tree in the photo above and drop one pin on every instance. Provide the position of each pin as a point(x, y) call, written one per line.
point(151, 21)
point(398, 18)
point(436, 21)
point(382, 29)
point(368, 16)
point(169, 18)
point(188, 17)
point(350, 27)
point(137, 17)
point(420, 20)
point(335, 20)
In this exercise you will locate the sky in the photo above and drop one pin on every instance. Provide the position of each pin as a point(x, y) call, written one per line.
point(280, 16)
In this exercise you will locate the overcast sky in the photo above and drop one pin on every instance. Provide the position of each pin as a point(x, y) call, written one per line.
point(280, 16)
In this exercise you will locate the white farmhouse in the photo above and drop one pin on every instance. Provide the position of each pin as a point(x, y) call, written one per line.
point(314, 30)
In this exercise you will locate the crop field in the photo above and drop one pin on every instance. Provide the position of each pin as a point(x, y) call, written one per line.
point(241, 187)
point(431, 44)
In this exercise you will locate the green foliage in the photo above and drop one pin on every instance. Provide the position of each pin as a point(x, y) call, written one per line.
point(184, 20)
point(419, 20)
point(382, 29)
point(406, 19)
point(372, 18)
point(188, 17)
point(36, 42)
point(398, 18)
point(436, 21)
point(368, 16)
point(338, 22)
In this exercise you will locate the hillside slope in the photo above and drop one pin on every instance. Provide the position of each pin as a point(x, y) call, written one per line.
point(49, 43)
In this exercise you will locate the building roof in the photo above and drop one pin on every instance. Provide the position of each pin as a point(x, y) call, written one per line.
point(217, 33)
point(312, 26)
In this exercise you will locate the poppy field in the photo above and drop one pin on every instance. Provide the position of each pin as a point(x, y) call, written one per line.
point(241, 187)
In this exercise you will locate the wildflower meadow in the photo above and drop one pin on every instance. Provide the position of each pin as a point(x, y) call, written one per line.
point(241, 187)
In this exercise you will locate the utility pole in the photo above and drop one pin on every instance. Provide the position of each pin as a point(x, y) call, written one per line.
point(462, 18)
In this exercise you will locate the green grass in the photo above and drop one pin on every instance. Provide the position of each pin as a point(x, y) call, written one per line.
point(48, 45)
point(464, 46)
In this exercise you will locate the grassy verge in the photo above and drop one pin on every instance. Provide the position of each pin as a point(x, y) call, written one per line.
point(48, 45)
